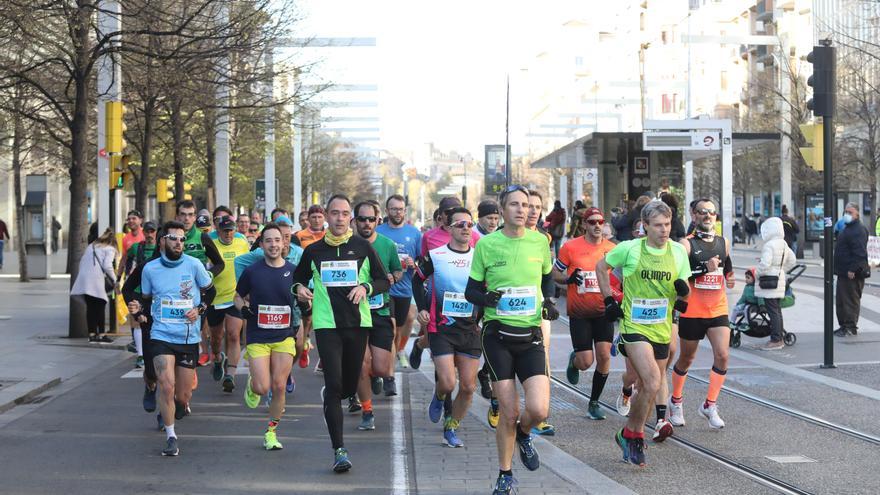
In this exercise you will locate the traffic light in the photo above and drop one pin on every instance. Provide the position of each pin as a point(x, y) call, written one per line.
point(119, 171)
point(813, 153)
point(164, 190)
point(187, 187)
point(823, 81)
point(114, 127)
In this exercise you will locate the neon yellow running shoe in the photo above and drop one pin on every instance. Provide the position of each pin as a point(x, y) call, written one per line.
point(493, 413)
point(251, 399)
point(271, 442)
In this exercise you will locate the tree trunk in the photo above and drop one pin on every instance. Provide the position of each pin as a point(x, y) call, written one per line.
point(210, 157)
point(17, 138)
point(142, 186)
point(177, 147)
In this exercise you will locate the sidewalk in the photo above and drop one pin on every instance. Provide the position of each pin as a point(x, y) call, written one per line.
point(473, 468)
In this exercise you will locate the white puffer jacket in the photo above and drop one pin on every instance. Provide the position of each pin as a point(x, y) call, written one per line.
point(776, 258)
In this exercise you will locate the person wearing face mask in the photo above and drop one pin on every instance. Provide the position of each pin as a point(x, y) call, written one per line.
point(851, 268)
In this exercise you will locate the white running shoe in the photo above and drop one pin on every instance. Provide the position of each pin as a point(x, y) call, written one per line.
point(663, 430)
point(623, 405)
point(676, 413)
point(711, 414)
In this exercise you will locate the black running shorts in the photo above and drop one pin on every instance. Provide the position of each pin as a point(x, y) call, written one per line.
point(661, 351)
point(507, 359)
point(455, 342)
point(585, 331)
point(216, 316)
point(185, 355)
point(696, 328)
point(382, 332)
point(401, 309)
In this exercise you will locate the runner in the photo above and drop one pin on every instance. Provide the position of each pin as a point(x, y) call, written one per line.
point(655, 271)
point(315, 232)
point(487, 222)
point(408, 240)
point(176, 289)
point(706, 315)
point(345, 271)
point(135, 234)
point(455, 342)
point(576, 267)
point(510, 278)
point(264, 295)
point(377, 360)
point(242, 226)
point(224, 318)
point(136, 256)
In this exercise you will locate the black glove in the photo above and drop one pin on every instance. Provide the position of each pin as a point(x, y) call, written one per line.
point(576, 277)
point(680, 306)
point(549, 311)
point(681, 288)
point(246, 312)
point(492, 298)
point(612, 309)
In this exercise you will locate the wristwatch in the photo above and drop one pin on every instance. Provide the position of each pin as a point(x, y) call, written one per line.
point(202, 307)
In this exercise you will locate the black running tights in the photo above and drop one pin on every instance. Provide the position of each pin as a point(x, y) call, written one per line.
point(342, 355)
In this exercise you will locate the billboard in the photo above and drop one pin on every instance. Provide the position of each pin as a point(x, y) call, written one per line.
point(495, 169)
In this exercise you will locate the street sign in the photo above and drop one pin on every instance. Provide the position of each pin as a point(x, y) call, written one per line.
point(680, 140)
point(495, 166)
point(260, 193)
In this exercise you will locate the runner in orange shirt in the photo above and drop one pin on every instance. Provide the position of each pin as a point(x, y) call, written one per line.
point(315, 231)
point(576, 267)
point(707, 313)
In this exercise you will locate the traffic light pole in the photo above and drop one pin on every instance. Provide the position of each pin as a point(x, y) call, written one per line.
point(828, 178)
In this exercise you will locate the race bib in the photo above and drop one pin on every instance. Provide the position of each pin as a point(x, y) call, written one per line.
point(339, 273)
point(377, 301)
point(273, 317)
point(710, 281)
point(174, 310)
point(649, 311)
point(590, 283)
point(455, 305)
point(518, 301)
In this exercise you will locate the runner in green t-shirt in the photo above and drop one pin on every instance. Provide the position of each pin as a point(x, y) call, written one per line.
point(377, 369)
point(655, 272)
point(510, 278)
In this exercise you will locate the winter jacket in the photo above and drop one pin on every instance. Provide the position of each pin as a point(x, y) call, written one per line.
point(96, 262)
point(556, 221)
point(776, 258)
point(851, 250)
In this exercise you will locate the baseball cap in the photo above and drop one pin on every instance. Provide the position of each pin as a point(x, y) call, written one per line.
point(284, 220)
point(487, 207)
point(150, 225)
point(593, 211)
point(449, 202)
point(227, 223)
point(202, 221)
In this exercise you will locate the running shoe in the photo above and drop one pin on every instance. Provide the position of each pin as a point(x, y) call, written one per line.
point(435, 409)
point(594, 411)
point(485, 386)
point(450, 439)
point(368, 422)
point(341, 463)
point(149, 399)
point(204, 358)
point(376, 385)
point(354, 405)
point(662, 431)
point(104, 339)
point(131, 347)
point(389, 385)
point(228, 383)
point(614, 345)
point(505, 485)
point(304, 357)
point(171, 449)
point(633, 448)
point(139, 362)
point(291, 385)
point(492, 415)
point(623, 405)
point(415, 355)
point(319, 368)
point(270, 441)
point(711, 415)
point(527, 453)
point(571, 373)
point(403, 361)
point(219, 366)
point(179, 410)
point(160, 422)
point(545, 429)
point(251, 399)
point(676, 413)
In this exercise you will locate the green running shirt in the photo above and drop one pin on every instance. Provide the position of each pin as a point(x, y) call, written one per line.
point(387, 251)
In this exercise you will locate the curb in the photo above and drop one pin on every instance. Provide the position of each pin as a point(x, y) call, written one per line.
point(30, 394)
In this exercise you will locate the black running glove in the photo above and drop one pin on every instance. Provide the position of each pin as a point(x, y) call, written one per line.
point(612, 310)
point(246, 312)
point(680, 306)
point(549, 311)
point(681, 288)
point(492, 298)
point(576, 277)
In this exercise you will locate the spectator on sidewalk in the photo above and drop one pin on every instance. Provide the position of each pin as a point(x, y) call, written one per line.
point(4, 236)
point(751, 228)
point(851, 268)
point(776, 259)
point(556, 226)
point(577, 228)
point(96, 277)
point(790, 226)
point(623, 224)
point(56, 234)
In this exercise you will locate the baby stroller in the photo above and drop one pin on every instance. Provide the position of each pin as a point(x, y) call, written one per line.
point(754, 320)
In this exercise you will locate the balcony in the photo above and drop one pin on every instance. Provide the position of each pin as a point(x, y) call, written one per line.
point(764, 11)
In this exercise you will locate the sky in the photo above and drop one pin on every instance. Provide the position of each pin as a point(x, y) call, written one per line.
point(440, 66)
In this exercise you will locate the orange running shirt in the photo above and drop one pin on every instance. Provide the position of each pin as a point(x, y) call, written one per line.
point(584, 300)
point(708, 297)
point(307, 237)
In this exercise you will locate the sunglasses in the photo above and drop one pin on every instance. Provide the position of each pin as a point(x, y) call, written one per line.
point(174, 238)
point(511, 189)
point(463, 224)
point(706, 211)
point(365, 219)
point(134, 213)
point(596, 222)
point(253, 231)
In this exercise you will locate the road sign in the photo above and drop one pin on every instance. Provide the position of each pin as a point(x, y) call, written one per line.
point(260, 193)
